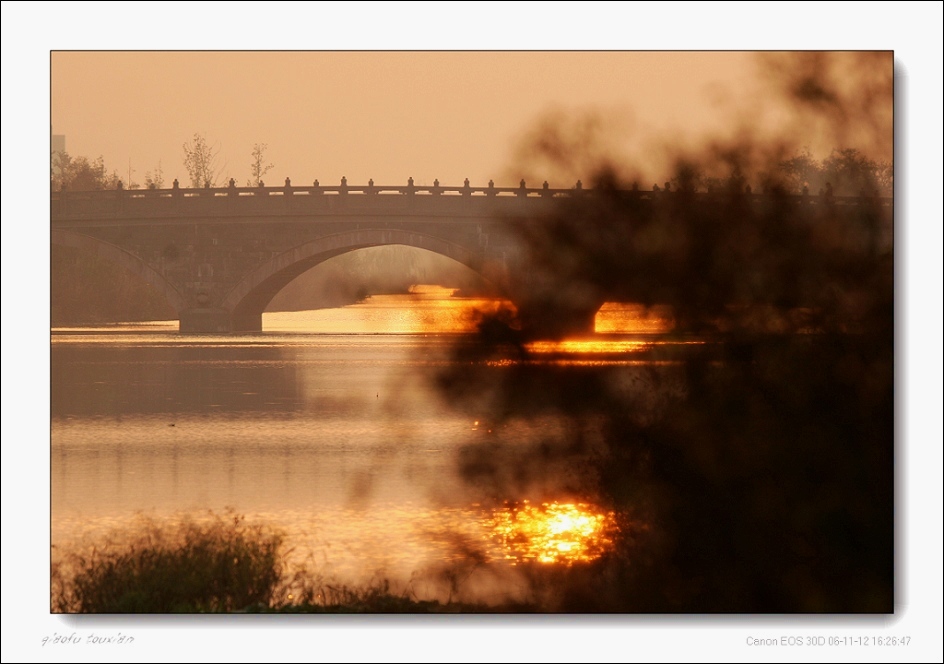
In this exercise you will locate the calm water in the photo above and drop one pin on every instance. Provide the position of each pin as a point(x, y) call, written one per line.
point(324, 425)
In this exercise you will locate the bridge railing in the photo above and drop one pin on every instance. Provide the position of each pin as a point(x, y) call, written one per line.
point(409, 189)
point(315, 190)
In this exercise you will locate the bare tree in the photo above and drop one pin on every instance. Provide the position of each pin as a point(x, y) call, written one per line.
point(259, 166)
point(154, 179)
point(200, 161)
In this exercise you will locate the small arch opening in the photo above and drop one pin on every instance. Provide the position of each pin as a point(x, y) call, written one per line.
point(86, 289)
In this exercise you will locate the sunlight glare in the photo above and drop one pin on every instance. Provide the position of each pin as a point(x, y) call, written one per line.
point(565, 533)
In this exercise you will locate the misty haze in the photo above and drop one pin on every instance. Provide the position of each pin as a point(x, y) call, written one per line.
point(620, 343)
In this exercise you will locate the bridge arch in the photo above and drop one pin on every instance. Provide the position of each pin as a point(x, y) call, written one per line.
point(127, 260)
point(249, 298)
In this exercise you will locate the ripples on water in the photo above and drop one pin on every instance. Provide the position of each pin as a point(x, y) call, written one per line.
point(324, 425)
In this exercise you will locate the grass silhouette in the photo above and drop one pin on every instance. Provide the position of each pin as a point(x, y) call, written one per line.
point(218, 563)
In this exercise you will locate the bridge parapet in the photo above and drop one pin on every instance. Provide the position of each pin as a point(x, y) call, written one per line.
point(435, 189)
point(464, 200)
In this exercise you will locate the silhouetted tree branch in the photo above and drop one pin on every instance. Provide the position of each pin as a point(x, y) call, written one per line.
point(200, 162)
point(258, 167)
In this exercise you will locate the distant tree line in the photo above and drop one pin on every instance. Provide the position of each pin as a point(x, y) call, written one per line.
point(82, 174)
point(200, 159)
point(845, 172)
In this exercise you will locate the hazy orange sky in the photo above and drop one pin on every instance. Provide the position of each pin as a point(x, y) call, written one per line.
point(381, 115)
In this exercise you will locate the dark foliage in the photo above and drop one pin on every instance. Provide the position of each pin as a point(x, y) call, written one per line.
point(757, 474)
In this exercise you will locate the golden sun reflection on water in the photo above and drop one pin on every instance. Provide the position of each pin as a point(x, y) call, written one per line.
point(555, 532)
point(625, 318)
point(588, 346)
point(426, 309)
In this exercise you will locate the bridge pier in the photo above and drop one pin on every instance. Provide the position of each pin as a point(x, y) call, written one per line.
point(209, 321)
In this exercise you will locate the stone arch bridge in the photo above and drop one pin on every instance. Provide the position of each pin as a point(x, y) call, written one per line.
point(219, 255)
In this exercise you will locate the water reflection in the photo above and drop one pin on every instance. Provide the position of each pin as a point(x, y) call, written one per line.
point(624, 318)
point(404, 542)
point(335, 438)
point(424, 310)
point(553, 532)
point(589, 346)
